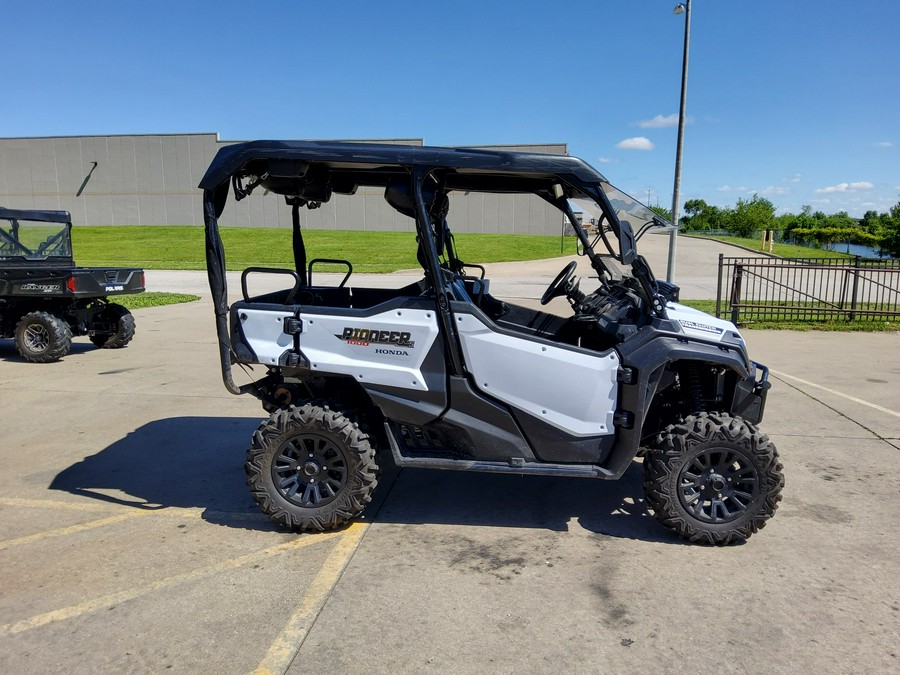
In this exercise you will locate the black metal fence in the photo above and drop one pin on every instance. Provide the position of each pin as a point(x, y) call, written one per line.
point(807, 289)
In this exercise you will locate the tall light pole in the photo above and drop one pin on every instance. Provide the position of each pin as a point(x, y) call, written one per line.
point(680, 8)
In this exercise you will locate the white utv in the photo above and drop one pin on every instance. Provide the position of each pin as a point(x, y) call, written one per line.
point(441, 374)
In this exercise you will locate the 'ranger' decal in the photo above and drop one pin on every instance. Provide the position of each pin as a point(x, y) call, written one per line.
point(43, 288)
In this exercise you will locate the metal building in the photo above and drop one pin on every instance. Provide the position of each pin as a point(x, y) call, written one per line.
point(152, 180)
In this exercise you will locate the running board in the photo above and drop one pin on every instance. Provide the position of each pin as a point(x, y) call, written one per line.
point(514, 466)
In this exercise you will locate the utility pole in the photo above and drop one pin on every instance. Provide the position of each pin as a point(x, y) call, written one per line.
point(681, 8)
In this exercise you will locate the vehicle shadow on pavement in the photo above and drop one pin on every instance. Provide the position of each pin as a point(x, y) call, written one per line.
point(198, 462)
point(614, 508)
point(184, 462)
point(8, 350)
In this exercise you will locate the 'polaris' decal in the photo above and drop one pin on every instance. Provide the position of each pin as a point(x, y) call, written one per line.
point(114, 288)
point(701, 326)
point(364, 337)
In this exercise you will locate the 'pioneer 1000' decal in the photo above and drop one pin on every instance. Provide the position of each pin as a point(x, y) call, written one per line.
point(366, 336)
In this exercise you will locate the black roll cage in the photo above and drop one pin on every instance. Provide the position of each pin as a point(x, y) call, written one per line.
point(307, 173)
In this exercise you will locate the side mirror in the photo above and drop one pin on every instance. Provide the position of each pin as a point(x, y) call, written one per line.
point(627, 247)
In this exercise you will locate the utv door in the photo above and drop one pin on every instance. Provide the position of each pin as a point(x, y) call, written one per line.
point(562, 396)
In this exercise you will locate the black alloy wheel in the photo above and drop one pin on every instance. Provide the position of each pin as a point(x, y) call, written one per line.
point(309, 470)
point(718, 486)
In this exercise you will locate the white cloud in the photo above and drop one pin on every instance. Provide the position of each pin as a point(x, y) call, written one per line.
point(659, 122)
point(795, 178)
point(775, 190)
point(605, 160)
point(728, 188)
point(846, 187)
point(636, 143)
point(884, 144)
point(840, 187)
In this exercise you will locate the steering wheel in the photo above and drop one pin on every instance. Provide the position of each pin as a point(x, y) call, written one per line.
point(561, 284)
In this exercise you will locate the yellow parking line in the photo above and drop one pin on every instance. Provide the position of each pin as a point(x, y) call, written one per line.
point(72, 529)
point(288, 643)
point(129, 594)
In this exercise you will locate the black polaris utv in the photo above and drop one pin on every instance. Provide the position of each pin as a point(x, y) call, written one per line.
point(45, 299)
point(442, 374)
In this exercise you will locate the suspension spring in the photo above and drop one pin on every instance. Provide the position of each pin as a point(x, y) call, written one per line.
point(690, 385)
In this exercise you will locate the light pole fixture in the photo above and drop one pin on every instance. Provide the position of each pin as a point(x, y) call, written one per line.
point(680, 8)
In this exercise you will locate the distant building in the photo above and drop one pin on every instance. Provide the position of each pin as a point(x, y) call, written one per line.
point(152, 180)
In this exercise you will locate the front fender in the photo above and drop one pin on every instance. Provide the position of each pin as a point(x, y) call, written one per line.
point(644, 360)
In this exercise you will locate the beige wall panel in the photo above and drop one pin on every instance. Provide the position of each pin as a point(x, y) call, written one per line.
point(152, 180)
point(69, 170)
point(17, 168)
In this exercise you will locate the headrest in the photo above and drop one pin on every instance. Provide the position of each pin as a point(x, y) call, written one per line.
point(399, 195)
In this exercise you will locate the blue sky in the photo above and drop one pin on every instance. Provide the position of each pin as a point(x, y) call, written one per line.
point(798, 101)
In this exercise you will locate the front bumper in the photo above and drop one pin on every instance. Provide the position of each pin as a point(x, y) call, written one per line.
point(749, 401)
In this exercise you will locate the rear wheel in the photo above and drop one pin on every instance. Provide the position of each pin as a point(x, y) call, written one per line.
point(42, 337)
point(713, 478)
point(118, 323)
point(311, 467)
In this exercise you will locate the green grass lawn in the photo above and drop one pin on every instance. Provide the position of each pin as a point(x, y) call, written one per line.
point(783, 250)
point(836, 324)
point(153, 299)
point(182, 247)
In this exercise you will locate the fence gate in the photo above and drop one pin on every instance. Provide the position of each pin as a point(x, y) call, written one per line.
point(807, 289)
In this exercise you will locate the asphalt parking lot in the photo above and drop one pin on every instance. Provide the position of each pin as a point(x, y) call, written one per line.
point(128, 540)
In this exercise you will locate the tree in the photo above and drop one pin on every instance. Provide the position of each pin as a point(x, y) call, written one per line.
point(701, 216)
point(750, 216)
point(889, 232)
point(662, 211)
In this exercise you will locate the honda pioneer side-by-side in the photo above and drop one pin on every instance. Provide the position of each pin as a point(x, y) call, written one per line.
point(45, 299)
point(442, 374)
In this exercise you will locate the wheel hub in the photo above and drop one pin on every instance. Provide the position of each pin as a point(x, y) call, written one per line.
point(310, 469)
point(715, 485)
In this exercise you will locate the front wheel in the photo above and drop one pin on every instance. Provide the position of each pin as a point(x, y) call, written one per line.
point(311, 467)
point(713, 478)
point(42, 337)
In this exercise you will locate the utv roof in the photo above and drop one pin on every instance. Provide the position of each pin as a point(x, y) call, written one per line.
point(44, 216)
point(374, 156)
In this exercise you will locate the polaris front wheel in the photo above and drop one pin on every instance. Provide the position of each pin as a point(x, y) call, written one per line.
point(311, 468)
point(117, 327)
point(713, 478)
point(42, 337)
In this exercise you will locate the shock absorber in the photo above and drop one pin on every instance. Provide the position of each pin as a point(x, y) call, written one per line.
point(689, 374)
